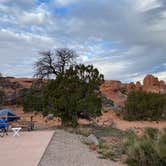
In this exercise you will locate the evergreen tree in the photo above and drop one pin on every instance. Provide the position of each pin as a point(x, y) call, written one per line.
point(74, 94)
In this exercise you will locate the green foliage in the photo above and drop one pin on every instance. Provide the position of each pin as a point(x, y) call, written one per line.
point(151, 133)
point(2, 97)
point(30, 99)
point(145, 106)
point(145, 150)
point(112, 152)
point(74, 94)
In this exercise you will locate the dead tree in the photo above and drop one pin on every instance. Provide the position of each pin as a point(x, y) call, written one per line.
point(52, 63)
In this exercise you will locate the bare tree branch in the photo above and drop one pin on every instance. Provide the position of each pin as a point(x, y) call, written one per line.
point(51, 63)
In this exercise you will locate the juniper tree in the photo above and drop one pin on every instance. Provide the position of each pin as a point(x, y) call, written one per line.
point(73, 94)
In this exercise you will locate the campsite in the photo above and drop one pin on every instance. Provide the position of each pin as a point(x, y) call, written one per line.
point(82, 83)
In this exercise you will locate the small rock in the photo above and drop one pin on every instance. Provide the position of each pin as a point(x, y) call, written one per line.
point(50, 117)
point(91, 139)
point(131, 129)
point(93, 147)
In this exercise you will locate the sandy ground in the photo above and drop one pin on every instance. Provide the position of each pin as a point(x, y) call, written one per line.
point(25, 150)
point(106, 119)
point(124, 125)
point(66, 149)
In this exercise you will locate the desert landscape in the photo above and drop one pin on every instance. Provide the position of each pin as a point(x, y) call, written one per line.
point(82, 83)
point(109, 128)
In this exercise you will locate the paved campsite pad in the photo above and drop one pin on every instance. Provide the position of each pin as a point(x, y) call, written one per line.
point(66, 149)
point(25, 150)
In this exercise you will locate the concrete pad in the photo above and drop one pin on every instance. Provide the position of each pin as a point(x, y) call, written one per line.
point(25, 150)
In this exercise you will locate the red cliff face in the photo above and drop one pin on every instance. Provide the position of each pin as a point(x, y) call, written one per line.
point(11, 87)
point(117, 91)
point(114, 90)
point(152, 84)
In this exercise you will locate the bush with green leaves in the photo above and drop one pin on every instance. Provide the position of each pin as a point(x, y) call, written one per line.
point(146, 150)
point(74, 94)
point(2, 97)
point(31, 99)
point(145, 106)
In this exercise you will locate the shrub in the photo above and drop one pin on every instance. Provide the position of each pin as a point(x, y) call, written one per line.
point(2, 97)
point(31, 99)
point(145, 150)
point(145, 106)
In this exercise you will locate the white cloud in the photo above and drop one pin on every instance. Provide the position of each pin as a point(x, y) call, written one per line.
point(161, 75)
point(124, 39)
point(32, 18)
point(65, 2)
point(145, 5)
point(19, 50)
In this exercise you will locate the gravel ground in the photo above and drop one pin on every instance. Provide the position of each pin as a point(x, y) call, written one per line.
point(66, 149)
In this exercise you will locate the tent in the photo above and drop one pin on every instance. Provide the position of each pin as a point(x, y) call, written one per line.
point(8, 115)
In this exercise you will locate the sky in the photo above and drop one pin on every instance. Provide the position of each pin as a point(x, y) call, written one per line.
point(124, 39)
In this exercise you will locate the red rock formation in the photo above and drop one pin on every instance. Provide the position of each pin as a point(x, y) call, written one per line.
point(162, 87)
point(138, 85)
point(112, 90)
point(152, 84)
point(11, 87)
point(131, 86)
point(117, 91)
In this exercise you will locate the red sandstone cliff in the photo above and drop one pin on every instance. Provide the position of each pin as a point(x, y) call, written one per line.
point(117, 91)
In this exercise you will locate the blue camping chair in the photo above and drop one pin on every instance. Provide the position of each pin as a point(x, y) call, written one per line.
point(3, 127)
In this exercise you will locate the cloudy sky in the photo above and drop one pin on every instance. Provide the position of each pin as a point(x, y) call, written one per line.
point(125, 39)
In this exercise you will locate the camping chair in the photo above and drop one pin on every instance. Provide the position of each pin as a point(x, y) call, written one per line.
point(3, 127)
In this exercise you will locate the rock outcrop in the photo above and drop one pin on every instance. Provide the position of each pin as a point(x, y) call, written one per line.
point(118, 91)
point(131, 86)
point(11, 87)
point(152, 84)
point(138, 85)
point(114, 90)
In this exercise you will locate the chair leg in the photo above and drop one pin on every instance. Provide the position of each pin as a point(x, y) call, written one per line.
point(6, 130)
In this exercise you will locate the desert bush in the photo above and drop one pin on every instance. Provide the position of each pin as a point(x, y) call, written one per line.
point(2, 97)
point(145, 106)
point(30, 99)
point(146, 150)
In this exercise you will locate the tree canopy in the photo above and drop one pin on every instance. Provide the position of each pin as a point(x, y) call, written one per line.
point(74, 94)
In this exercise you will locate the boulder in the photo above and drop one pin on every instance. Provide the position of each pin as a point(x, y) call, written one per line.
point(91, 139)
point(93, 147)
point(50, 117)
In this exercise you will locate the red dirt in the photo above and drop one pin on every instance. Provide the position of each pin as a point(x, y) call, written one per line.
point(124, 125)
point(107, 119)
